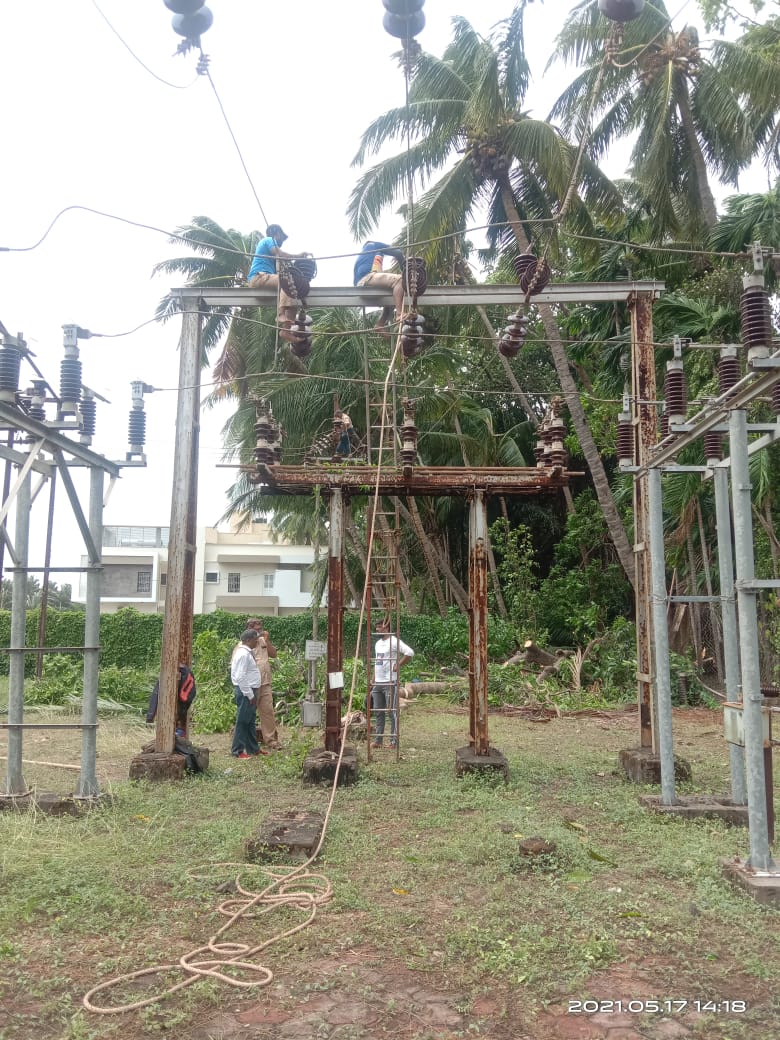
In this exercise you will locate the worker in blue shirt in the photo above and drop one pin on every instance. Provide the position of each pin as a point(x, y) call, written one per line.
point(368, 271)
point(263, 273)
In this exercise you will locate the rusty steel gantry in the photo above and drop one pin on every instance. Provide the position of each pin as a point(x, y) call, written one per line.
point(338, 482)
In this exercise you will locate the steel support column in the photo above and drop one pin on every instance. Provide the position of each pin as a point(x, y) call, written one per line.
point(758, 822)
point(88, 785)
point(646, 436)
point(15, 784)
point(190, 547)
point(181, 503)
point(335, 677)
point(478, 612)
point(663, 682)
point(728, 606)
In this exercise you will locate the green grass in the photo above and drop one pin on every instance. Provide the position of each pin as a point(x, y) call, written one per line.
point(426, 874)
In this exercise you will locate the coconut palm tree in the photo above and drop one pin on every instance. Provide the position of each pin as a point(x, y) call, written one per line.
point(660, 86)
point(465, 113)
point(221, 260)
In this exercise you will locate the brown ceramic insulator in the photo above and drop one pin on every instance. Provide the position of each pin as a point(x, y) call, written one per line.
point(264, 454)
point(625, 439)
point(756, 317)
point(539, 452)
point(509, 346)
point(729, 372)
point(675, 391)
point(776, 398)
point(713, 445)
point(415, 278)
point(556, 457)
point(264, 429)
point(523, 262)
point(302, 346)
point(664, 424)
point(533, 281)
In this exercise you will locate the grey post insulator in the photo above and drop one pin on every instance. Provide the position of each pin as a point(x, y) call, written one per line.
point(88, 411)
point(193, 25)
point(136, 430)
point(70, 382)
point(10, 360)
point(621, 10)
point(404, 27)
point(183, 6)
point(403, 7)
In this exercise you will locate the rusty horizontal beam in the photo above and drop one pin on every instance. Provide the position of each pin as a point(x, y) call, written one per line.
point(435, 295)
point(421, 480)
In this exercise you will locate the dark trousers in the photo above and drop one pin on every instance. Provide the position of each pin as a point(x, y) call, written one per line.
point(244, 735)
point(382, 704)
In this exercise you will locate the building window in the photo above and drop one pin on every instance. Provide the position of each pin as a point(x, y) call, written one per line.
point(212, 577)
point(163, 580)
point(261, 518)
point(268, 582)
point(144, 584)
point(234, 582)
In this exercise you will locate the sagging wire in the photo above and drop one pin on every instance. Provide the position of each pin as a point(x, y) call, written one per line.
point(126, 45)
point(173, 237)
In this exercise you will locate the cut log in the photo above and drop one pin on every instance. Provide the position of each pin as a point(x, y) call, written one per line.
point(536, 655)
point(412, 690)
point(551, 669)
point(517, 658)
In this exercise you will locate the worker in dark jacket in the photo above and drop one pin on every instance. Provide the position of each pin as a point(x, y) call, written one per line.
point(368, 271)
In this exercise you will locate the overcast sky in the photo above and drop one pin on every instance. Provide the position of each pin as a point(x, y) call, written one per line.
point(84, 123)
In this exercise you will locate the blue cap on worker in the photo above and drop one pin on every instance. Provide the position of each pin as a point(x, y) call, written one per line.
point(275, 232)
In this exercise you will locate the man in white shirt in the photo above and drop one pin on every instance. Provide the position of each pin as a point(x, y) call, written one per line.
point(245, 676)
point(384, 692)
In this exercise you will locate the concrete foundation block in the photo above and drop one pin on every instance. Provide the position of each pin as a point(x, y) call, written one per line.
point(761, 886)
point(319, 767)
point(290, 837)
point(641, 766)
point(54, 804)
point(16, 802)
point(697, 806)
point(468, 761)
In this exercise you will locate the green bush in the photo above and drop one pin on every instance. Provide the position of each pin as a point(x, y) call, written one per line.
point(214, 710)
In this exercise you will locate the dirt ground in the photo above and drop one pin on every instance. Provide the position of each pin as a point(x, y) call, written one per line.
point(346, 979)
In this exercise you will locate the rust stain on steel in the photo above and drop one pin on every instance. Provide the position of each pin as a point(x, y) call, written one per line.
point(478, 601)
point(430, 480)
point(646, 432)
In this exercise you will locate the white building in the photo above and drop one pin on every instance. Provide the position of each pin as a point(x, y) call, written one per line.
point(244, 572)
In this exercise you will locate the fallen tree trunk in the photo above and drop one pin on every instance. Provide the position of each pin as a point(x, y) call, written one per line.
point(412, 690)
point(536, 655)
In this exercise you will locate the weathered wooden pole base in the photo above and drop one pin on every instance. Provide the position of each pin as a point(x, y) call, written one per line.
point(468, 761)
point(698, 806)
point(54, 804)
point(319, 767)
point(289, 837)
point(641, 766)
point(762, 886)
point(163, 765)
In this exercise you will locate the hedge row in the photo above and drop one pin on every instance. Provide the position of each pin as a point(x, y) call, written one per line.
point(131, 639)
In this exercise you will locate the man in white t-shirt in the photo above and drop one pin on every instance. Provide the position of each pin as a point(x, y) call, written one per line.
point(384, 692)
